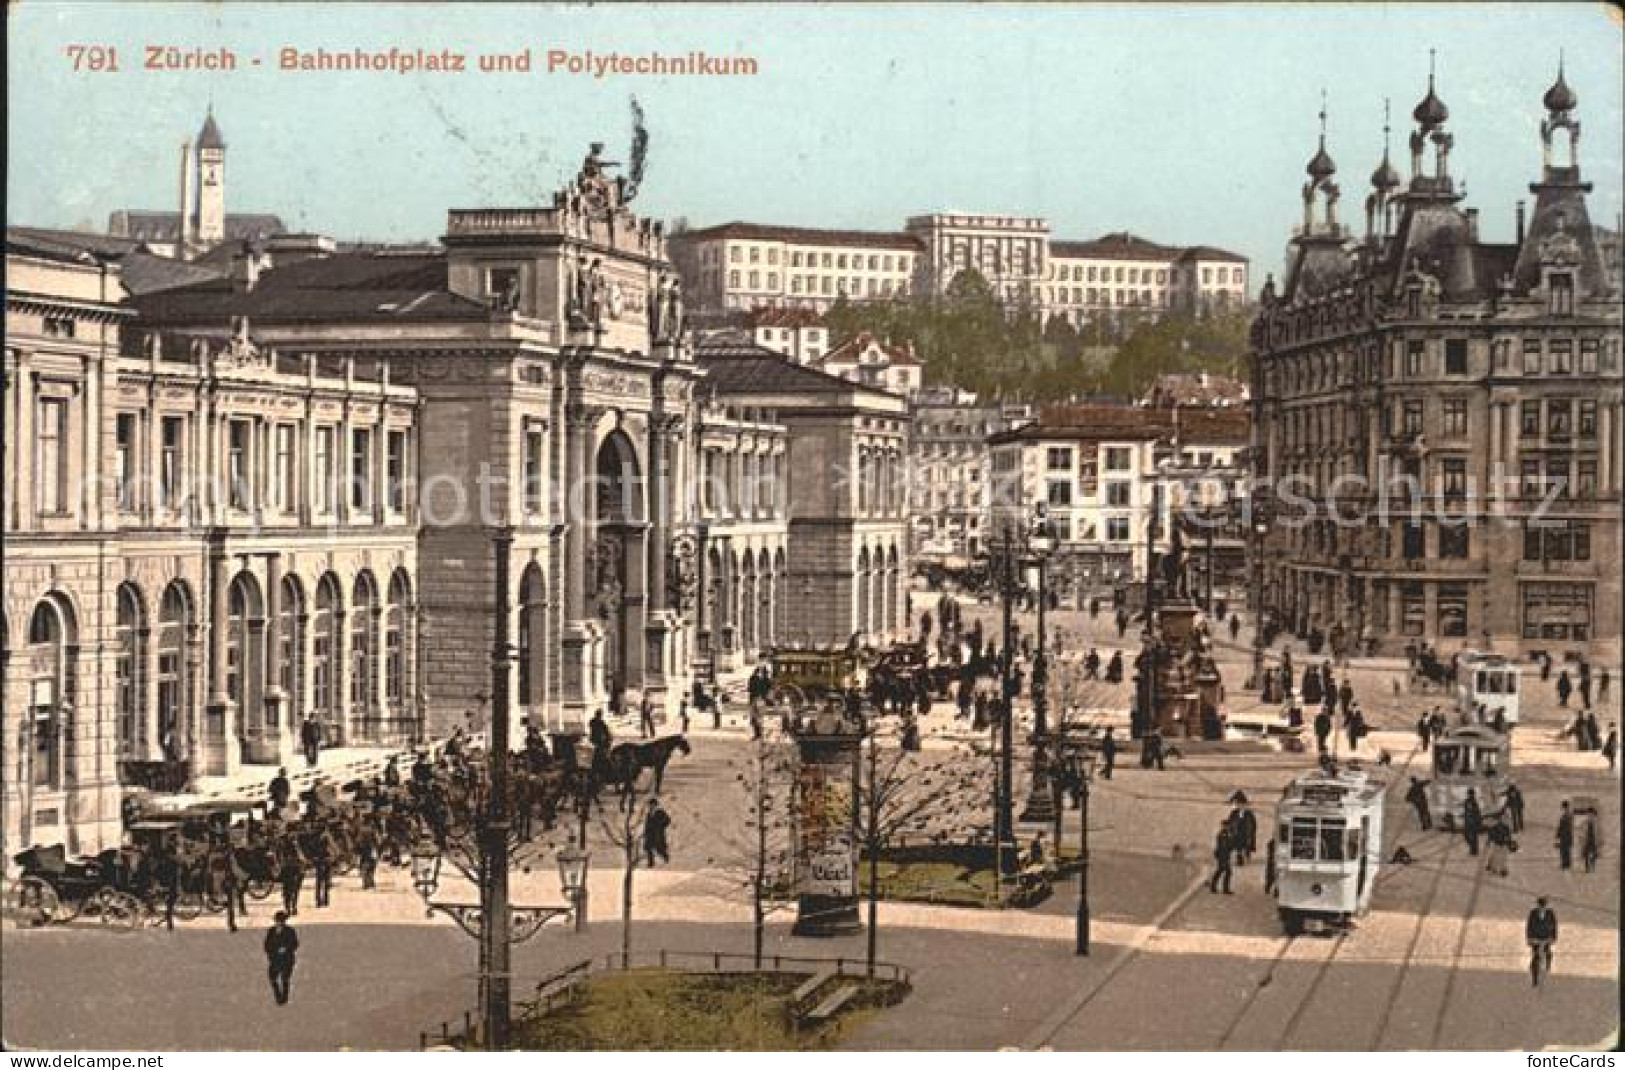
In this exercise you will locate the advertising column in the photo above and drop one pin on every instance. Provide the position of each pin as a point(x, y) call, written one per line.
point(826, 811)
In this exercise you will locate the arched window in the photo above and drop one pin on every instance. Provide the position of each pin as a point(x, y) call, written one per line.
point(861, 621)
point(325, 636)
point(532, 633)
point(364, 646)
point(51, 692)
point(291, 637)
point(174, 670)
point(129, 672)
point(400, 596)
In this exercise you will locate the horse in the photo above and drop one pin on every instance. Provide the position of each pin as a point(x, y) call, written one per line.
point(626, 761)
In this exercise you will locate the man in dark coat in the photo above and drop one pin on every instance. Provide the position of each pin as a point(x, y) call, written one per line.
point(1540, 930)
point(655, 825)
point(1472, 821)
point(1108, 754)
point(1514, 806)
point(281, 949)
point(1323, 730)
point(280, 791)
point(1424, 732)
point(1565, 837)
point(1223, 847)
point(1245, 833)
point(1610, 746)
point(310, 738)
point(1564, 688)
point(291, 873)
point(1417, 796)
point(322, 860)
point(1345, 697)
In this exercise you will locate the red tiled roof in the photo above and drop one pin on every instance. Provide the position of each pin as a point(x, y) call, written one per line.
point(847, 352)
point(805, 236)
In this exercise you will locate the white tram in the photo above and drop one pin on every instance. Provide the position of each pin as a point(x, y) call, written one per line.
point(1490, 681)
point(1328, 847)
point(1473, 757)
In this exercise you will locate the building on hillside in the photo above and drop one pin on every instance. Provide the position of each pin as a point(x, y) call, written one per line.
point(1457, 400)
point(797, 333)
point(845, 492)
point(863, 358)
point(743, 266)
point(1008, 252)
point(1109, 280)
point(949, 470)
point(202, 222)
point(1121, 275)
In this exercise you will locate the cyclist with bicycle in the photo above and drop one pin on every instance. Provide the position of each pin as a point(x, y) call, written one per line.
point(1541, 933)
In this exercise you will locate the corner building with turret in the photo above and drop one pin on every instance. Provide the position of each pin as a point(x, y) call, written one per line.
point(1437, 416)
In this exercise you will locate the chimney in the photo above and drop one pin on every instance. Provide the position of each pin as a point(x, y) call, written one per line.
point(245, 269)
point(1519, 238)
point(1472, 224)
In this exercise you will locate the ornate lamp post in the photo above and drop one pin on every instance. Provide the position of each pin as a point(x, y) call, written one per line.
point(1076, 770)
point(484, 847)
point(1040, 545)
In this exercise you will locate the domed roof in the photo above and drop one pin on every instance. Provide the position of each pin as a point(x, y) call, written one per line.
point(1431, 111)
point(1321, 166)
point(1560, 97)
point(1385, 177)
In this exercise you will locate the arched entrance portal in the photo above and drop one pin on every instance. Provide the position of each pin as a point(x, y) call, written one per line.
point(617, 594)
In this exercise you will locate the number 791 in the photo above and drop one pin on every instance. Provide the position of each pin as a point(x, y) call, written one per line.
point(94, 58)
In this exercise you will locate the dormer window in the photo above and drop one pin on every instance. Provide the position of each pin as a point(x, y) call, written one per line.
point(1561, 290)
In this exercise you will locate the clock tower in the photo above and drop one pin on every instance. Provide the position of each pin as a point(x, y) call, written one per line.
point(211, 184)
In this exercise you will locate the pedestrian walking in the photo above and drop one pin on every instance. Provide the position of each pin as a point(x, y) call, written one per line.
point(281, 950)
point(291, 873)
point(1235, 626)
point(1545, 667)
point(1424, 732)
point(367, 850)
point(1593, 733)
point(1417, 796)
point(1514, 806)
point(1269, 868)
point(1108, 754)
point(1565, 837)
point(1345, 697)
point(1540, 931)
point(1610, 746)
point(1501, 845)
point(1604, 678)
point(169, 873)
point(1323, 730)
point(656, 823)
point(682, 714)
point(646, 717)
point(310, 738)
point(1589, 848)
point(1154, 753)
point(1472, 821)
point(1223, 847)
point(321, 863)
point(1564, 688)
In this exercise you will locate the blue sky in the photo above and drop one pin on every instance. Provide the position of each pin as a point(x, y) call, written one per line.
point(1184, 124)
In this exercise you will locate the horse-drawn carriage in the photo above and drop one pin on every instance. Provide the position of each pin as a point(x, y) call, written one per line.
point(53, 888)
point(806, 678)
point(902, 675)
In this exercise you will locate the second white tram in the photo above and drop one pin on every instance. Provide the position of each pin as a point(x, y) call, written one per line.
point(1328, 847)
point(1487, 684)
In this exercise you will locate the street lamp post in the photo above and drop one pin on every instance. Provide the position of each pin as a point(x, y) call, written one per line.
point(484, 853)
point(1040, 544)
point(1004, 827)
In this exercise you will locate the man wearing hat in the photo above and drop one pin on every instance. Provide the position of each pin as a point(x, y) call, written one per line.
point(1541, 933)
point(281, 946)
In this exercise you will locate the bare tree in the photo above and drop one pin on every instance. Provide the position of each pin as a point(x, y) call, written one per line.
point(754, 858)
point(904, 796)
point(623, 828)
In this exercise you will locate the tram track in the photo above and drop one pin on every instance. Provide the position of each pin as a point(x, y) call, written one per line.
point(1409, 959)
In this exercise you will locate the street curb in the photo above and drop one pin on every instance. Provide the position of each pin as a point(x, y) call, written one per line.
point(1045, 1033)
